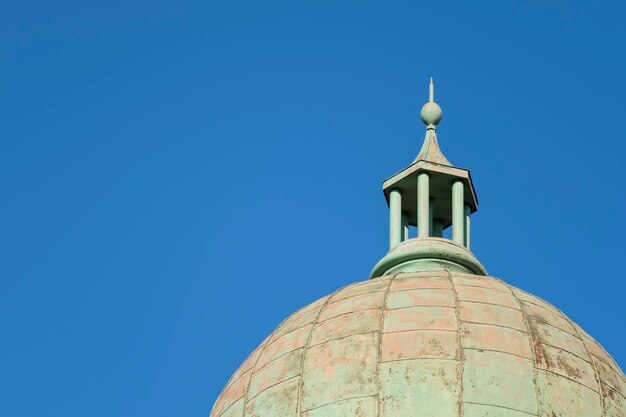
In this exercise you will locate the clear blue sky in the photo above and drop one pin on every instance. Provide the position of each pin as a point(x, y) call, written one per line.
point(178, 177)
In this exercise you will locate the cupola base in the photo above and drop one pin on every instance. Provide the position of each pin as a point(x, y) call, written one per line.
point(428, 254)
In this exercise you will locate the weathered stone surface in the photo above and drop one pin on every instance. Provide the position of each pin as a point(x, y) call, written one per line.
point(419, 388)
point(422, 345)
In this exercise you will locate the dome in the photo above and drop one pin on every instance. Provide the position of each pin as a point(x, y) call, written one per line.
point(430, 334)
point(433, 343)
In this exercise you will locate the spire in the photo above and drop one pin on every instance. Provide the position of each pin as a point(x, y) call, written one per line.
point(431, 116)
point(432, 195)
point(431, 91)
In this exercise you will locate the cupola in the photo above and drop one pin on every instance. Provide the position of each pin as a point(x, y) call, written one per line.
point(433, 195)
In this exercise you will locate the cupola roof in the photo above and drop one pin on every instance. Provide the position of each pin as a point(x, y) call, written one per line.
point(431, 195)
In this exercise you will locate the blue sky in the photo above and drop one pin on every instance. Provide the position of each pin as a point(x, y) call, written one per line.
point(178, 177)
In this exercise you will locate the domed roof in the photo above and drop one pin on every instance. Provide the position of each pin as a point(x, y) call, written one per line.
point(430, 334)
point(433, 343)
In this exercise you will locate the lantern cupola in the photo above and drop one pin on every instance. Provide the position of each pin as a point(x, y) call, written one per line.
point(432, 195)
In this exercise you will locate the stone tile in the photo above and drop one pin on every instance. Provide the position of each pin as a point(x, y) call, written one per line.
point(599, 352)
point(614, 403)
point(484, 336)
point(564, 363)
point(477, 281)
point(232, 393)
point(355, 407)
point(425, 274)
point(553, 336)
point(317, 303)
point(235, 410)
point(548, 316)
point(524, 296)
point(421, 297)
point(277, 401)
point(428, 387)
point(434, 344)
point(340, 369)
point(499, 379)
point(247, 365)
point(420, 318)
point(279, 370)
point(491, 314)
point(284, 344)
point(345, 325)
point(299, 319)
point(485, 295)
point(415, 283)
point(356, 303)
point(482, 410)
point(373, 285)
point(609, 376)
point(559, 396)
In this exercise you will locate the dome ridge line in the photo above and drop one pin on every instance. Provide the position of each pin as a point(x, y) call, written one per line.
point(381, 326)
point(591, 361)
point(461, 356)
point(495, 339)
point(532, 342)
point(246, 393)
point(299, 410)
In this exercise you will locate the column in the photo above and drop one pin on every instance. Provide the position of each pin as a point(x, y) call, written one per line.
point(437, 228)
point(395, 218)
point(467, 226)
point(423, 200)
point(458, 215)
point(430, 216)
point(405, 225)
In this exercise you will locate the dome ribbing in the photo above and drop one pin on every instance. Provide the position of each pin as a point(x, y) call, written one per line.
point(434, 343)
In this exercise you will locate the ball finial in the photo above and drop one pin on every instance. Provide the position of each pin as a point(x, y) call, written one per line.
point(431, 112)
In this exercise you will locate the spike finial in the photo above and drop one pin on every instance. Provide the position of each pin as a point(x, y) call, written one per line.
point(432, 91)
point(431, 112)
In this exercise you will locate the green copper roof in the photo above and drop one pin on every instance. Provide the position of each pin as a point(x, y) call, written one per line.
point(432, 195)
point(430, 150)
point(431, 115)
point(435, 343)
point(430, 334)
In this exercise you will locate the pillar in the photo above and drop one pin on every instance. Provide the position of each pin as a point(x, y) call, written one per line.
point(395, 218)
point(423, 200)
point(458, 215)
point(467, 226)
point(437, 228)
point(430, 216)
point(405, 225)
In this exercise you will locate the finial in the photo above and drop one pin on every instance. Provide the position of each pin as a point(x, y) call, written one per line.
point(431, 112)
point(432, 91)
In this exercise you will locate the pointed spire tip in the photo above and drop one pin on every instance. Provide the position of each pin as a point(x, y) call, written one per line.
point(431, 112)
point(431, 95)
